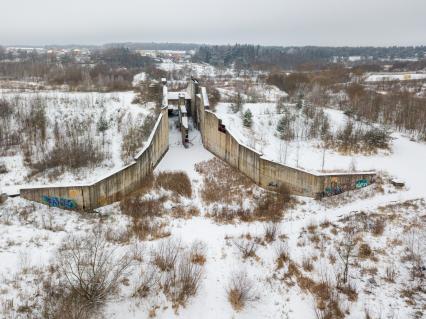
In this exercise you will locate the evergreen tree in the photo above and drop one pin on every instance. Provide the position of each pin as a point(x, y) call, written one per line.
point(237, 103)
point(247, 118)
point(284, 127)
point(102, 124)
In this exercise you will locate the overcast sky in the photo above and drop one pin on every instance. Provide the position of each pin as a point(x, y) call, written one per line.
point(269, 22)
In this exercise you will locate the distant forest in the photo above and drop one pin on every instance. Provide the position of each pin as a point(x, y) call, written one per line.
point(107, 69)
point(266, 57)
point(155, 46)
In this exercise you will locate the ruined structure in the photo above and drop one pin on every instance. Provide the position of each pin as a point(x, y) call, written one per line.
point(268, 174)
point(217, 139)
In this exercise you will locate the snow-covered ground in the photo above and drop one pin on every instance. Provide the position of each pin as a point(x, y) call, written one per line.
point(394, 77)
point(31, 233)
point(402, 161)
point(29, 242)
point(77, 107)
point(195, 69)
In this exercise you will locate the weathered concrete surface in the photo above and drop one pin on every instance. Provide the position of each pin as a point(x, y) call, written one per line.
point(113, 187)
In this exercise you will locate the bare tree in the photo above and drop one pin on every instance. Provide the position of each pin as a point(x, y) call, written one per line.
point(90, 267)
point(345, 250)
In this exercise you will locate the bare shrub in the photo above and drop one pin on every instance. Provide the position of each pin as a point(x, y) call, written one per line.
point(247, 248)
point(281, 251)
point(271, 232)
point(271, 206)
point(390, 273)
point(364, 251)
point(140, 208)
point(60, 303)
point(240, 290)
point(307, 264)
point(149, 229)
point(143, 212)
point(116, 235)
point(349, 290)
point(91, 269)
point(198, 252)
point(148, 281)
point(73, 154)
point(177, 182)
point(378, 227)
point(165, 256)
point(329, 308)
point(185, 280)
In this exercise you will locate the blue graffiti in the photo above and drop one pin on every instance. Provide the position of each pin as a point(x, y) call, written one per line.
point(333, 190)
point(361, 183)
point(59, 202)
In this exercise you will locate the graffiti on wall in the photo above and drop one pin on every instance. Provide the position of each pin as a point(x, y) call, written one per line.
point(361, 183)
point(334, 188)
point(59, 202)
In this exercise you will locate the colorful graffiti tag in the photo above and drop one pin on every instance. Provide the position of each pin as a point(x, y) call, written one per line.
point(59, 202)
point(333, 190)
point(361, 183)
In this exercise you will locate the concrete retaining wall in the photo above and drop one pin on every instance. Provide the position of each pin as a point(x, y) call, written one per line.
point(267, 173)
point(113, 187)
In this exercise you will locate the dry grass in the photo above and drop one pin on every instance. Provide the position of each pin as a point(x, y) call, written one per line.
point(181, 271)
point(378, 227)
point(271, 206)
point(364, 251)
point(281, 252)
point(271, 232)
point(144, 215)
point(327, 304)
point(247, 248)
point(165, 256)
point(240, 290)
point(176, 182)
point(197, 253)
point(307, 264)
point(226, 188)
point(185, 212)
point(140, 208)
point(185, 281)
point(223, 183)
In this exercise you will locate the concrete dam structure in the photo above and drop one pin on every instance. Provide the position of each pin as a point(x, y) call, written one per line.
point(113, 187)
point(218, 140)
point(266, 173)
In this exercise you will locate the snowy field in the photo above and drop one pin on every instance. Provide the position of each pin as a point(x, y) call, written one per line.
point(401, 161)
point(80, 107)
point(196, 69)
point(31, 234)
point(293, 274)
point(394, 77)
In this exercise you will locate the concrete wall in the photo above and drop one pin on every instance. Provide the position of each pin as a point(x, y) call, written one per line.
point(113, 187)
point(267, 173)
